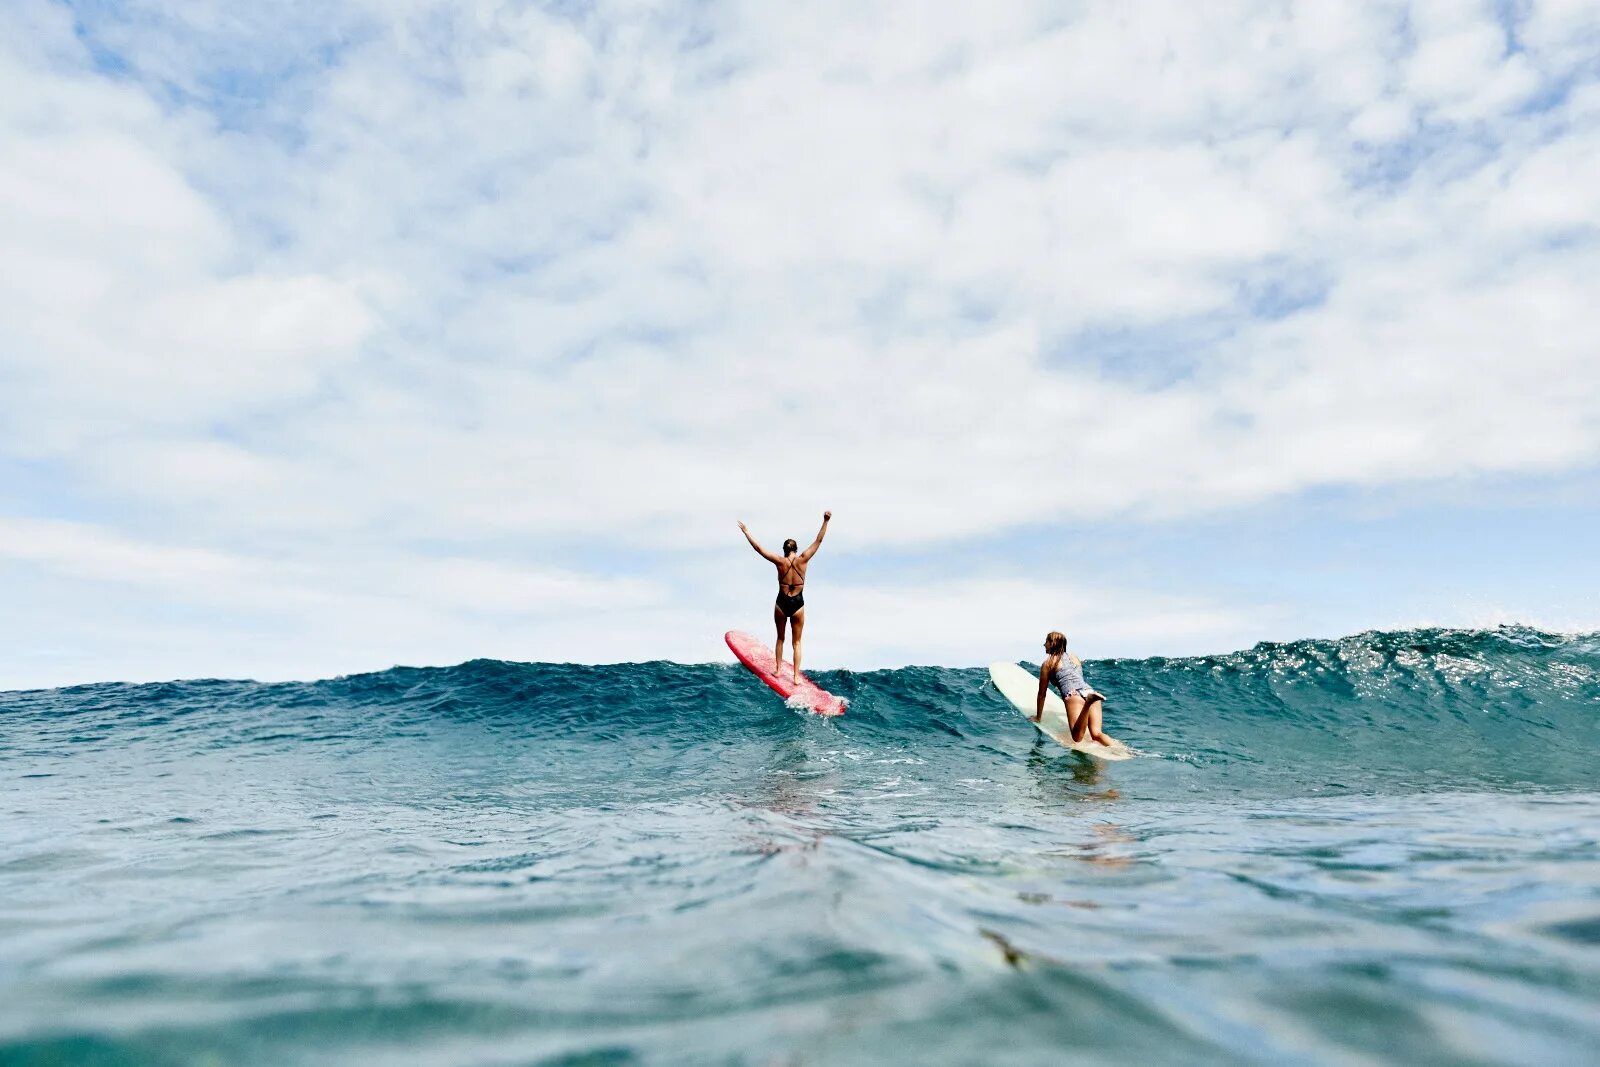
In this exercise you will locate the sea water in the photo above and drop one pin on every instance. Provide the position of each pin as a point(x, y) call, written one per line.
point(1383, 848)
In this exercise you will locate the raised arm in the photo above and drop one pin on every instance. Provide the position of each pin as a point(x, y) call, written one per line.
point(808, 553)
point(768, 556)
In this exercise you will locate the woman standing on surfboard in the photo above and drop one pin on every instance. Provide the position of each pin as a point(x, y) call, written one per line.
point(791, 603)
point(1084, 705)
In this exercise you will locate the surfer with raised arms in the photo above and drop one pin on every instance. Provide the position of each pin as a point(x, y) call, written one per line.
point(1084, 705)
point(791, 603)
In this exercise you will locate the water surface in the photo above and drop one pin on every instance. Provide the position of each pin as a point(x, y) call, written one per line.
point(1381, 848)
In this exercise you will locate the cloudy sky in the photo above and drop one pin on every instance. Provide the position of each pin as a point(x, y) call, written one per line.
point(335, 335)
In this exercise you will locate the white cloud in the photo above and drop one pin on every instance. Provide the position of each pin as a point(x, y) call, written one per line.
point(486, 276)
point(220, 579)
point(230, 614)
point(1384, 121)
point(1459, 48)
point(128, 306)
point(1552, 190)
point(1010, 616)
point(1564, 32)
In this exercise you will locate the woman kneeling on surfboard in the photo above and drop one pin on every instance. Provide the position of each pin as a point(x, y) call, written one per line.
point(1084, 705)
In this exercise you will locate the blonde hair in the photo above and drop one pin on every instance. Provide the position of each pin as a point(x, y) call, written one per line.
point(1055, 642)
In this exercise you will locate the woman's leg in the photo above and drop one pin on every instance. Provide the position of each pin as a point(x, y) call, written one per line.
point(1093, 713)
point(778, 619)
point(1075, 719)
point(799, 626)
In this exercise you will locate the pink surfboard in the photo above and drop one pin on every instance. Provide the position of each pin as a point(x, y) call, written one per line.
point(757, 656)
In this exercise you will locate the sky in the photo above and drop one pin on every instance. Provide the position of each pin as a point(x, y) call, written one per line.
point(354, 333)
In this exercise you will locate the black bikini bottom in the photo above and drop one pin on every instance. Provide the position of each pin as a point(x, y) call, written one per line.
point(791, 604)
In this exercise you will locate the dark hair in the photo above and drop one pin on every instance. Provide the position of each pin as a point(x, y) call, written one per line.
point(790, 545)
point(1055, 642)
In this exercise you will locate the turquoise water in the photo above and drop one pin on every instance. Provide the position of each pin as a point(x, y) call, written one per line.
point(1381, 848)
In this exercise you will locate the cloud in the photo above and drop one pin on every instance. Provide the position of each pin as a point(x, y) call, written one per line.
point(128, 308)
point(1010, 616)
point(485, 282)
point(203, 576)
point(273, 618)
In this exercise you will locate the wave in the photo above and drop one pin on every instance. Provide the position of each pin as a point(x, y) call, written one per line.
point(1504, 707)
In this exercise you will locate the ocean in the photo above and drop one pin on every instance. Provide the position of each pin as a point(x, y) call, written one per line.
point(1384, 848)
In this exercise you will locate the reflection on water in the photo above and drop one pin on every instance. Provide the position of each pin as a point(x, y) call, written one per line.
point(1064, 774)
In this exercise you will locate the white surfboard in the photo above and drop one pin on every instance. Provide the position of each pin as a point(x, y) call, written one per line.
point(1022, 690)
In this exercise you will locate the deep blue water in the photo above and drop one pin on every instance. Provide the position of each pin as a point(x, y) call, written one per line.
point(1383, 848)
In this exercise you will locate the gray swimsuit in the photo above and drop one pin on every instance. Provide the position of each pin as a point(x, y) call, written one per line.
point(1069, 678)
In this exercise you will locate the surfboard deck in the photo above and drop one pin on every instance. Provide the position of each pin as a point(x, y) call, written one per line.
point(1021, 689)
point(756, 655)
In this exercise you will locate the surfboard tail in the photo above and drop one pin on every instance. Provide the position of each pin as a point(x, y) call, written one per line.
point(802, 693)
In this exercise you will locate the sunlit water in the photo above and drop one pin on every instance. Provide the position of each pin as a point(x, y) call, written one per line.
point(1384, 848)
